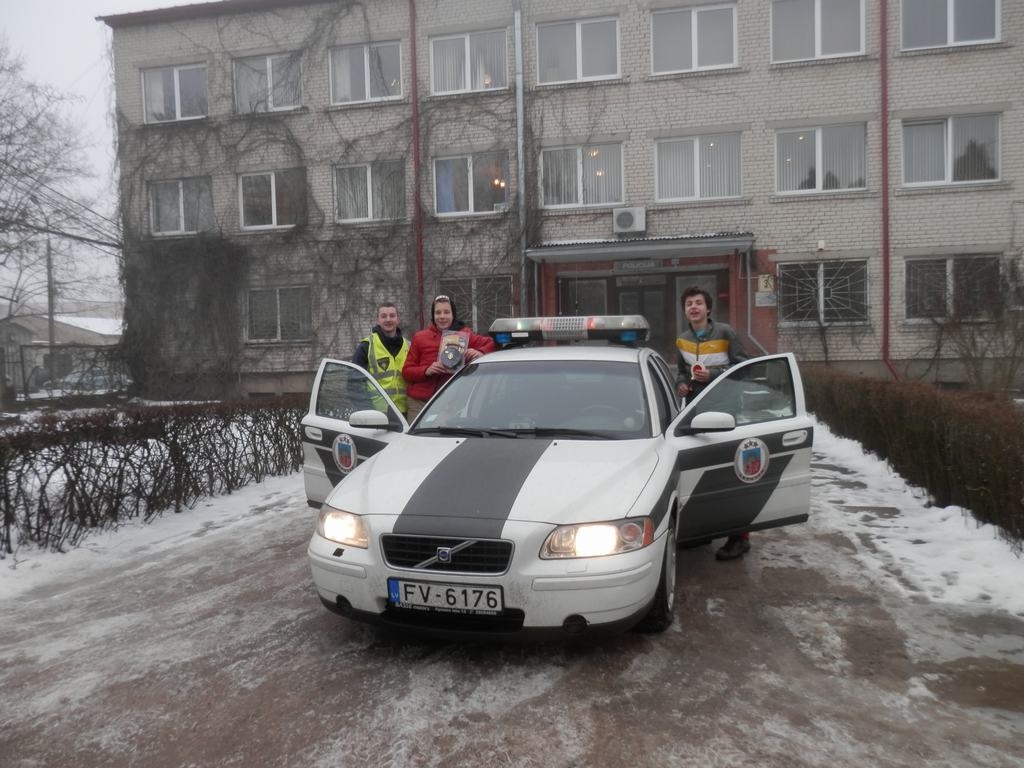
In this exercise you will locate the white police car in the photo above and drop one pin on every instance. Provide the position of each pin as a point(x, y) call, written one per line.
point(544, 488)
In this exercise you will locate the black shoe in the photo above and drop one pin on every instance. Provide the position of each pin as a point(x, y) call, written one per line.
point(736, 546)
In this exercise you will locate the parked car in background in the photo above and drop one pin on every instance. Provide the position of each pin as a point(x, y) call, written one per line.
point(93, 382)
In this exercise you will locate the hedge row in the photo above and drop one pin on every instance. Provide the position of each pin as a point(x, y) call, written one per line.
point(65, 476)
point(963, 448)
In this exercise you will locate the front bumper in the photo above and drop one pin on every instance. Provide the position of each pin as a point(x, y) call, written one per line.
point(542, 598)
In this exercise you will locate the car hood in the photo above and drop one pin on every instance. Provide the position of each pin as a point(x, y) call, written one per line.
point(471, 486)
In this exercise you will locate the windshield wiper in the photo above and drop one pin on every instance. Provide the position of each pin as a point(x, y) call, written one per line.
point(464, 431)
point(563, 432)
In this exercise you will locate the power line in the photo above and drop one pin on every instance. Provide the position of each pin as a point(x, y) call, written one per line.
point(22, 175)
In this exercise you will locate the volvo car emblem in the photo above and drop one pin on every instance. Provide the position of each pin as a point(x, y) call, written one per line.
point(444, 554)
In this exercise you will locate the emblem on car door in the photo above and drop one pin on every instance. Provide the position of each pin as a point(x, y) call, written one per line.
point(344, 451)
point(751, 460)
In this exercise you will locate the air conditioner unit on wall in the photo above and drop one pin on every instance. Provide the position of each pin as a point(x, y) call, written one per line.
point(629, 220)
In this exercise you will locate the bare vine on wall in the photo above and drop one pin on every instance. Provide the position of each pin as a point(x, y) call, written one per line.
point(349, 267)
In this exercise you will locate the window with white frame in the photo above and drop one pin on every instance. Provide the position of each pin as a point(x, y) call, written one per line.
point(960, 287)
point(698, 167)
point(586, 175)
point(370, 72)
point(951, 150)
point(280, 314)
point(570, 51)
point(370, 190)
point(480, 300)
point(174, 93)
point(471, 183)
point(267, 83)
point(939, 23)
point(272, 198)
point(823, 159)
point(471, 62)
point(823, 292)
point(181, 206)
point(693, 38)
point(816, 29)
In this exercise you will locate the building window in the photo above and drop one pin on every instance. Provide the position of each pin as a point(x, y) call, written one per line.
point(370, 191)
point(273, 199)
point(280, 314)
point(588, 175)
point(816, 29)
point(698, 167)
point(951, 150)
point(471, 184)
point(267, 83)
point(571, 51)
point(838, 150)
point(370, 72)
point(959, 287)
point(480, 300)
point(174, 93)
point(473, 62)
point(693, 38)
point(823, 292)
point(937, 23)
point(181, 206)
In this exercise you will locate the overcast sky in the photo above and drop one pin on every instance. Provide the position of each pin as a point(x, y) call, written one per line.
point(63, 45)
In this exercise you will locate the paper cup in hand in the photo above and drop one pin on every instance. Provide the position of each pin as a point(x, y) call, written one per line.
point(697, 368)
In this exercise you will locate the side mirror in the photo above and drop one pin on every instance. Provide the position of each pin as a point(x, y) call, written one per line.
point(369, 419)
point(709, 421)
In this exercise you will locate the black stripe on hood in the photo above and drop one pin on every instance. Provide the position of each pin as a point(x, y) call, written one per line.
point(471, 491)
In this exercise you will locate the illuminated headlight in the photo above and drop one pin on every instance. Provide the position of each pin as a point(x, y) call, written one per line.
point(342, 527)
point(598, 539)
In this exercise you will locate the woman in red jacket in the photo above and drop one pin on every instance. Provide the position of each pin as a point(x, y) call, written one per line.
point(423, 372)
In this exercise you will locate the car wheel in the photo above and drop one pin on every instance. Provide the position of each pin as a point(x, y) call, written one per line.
point(661, 614)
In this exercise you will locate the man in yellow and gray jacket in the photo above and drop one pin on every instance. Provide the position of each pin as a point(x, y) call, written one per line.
point(706, 349)
point(383, 354)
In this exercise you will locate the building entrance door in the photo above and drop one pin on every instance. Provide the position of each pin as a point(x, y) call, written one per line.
point(646, 295)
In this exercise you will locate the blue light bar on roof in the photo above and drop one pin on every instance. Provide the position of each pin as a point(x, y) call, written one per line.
point(622, 329)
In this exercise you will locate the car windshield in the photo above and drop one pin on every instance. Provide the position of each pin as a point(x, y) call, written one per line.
point(578, 399)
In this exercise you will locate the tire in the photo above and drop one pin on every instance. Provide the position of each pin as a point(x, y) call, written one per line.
point(662, 613)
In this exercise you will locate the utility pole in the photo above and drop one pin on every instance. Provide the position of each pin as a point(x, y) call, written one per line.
point(49, 305)
point(50, 295)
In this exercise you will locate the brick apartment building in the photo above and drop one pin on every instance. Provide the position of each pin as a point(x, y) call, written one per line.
point(842, 176)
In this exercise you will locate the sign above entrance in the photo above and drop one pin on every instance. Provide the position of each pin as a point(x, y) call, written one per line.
point(635, 265)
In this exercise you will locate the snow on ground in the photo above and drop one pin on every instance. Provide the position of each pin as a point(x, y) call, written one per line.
point(940, 553)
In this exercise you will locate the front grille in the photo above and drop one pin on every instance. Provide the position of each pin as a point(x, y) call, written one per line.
point(467, 555)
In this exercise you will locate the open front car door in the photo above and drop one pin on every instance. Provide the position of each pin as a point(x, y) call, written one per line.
point(744, 451)
point(350, 418)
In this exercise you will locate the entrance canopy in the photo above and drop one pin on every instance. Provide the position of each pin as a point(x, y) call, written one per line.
point(714, 244)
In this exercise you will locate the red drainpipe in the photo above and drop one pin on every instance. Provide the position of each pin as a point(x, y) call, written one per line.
point(417, 211)
point(883, 70)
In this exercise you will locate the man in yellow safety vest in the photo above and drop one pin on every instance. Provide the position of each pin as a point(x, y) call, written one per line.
point(383, 354)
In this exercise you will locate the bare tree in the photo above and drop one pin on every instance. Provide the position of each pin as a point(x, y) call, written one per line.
point(984, 322)
point(41, 165)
